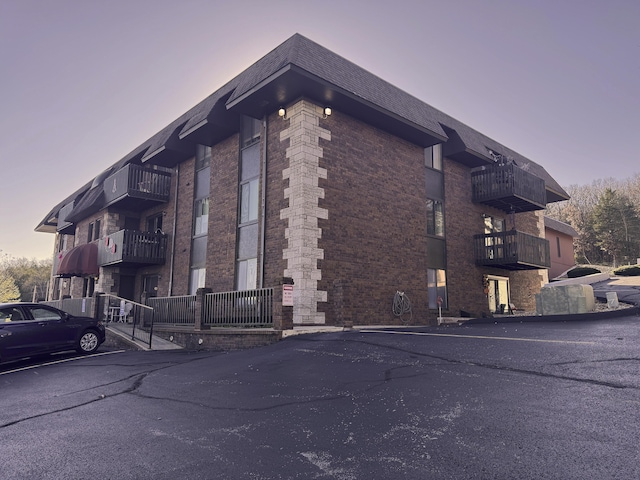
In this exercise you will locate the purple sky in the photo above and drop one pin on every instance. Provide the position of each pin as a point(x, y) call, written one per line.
point(85, 82)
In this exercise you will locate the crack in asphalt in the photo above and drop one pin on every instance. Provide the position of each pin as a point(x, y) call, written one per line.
point(249, 409)
point(135, 385)
point(486, 365)
point(139, 378)
point(603, 360)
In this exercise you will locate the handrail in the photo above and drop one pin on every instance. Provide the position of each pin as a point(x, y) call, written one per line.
point(128, 317)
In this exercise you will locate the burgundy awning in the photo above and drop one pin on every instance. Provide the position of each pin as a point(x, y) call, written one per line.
point(80, 261)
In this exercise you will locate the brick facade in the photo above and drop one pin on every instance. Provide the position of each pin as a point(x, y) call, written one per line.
point(345, 217)
point(342, 201)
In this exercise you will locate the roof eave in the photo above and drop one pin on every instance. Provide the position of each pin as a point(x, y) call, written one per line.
point(292, 82)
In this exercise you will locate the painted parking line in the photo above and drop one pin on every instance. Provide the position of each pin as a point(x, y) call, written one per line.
point(484, 337)
point(29, 367)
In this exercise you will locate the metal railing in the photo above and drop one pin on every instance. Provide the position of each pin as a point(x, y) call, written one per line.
point(128, 317)
point(248, 308)
point(135, 181)
point(512, 250)
point(133, 246)
point(507, 186)
point(179, 310)
point(80, 307)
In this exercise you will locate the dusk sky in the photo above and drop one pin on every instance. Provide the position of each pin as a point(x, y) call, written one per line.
point(85, 82)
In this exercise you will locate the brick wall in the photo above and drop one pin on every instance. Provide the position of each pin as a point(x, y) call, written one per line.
point(182, 252)
point(374, 238)
point(223, 212)
point(275, 241)
point(463, 220)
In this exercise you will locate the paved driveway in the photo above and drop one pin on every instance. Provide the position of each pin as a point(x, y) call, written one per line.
point(525, 401)
point(627, 288)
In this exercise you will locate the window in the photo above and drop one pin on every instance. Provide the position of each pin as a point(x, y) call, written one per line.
point(435, 218)
point(62, 243)
point(493, 224)
point(154, 223)
point(437, 287)
point(433, 157)
point(248, 203)
point(558, 244)
point(250, 131)
point(94, 231)
point(11, 314)
point(201, 217)
point(42, 313)
point(88, 286)
point(247, 273)
point(197, 280)
point(203, 156)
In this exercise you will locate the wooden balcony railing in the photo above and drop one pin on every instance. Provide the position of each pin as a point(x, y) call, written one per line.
point(508, 188)
point(132, 247)
point(512, 250)
point(139, 183)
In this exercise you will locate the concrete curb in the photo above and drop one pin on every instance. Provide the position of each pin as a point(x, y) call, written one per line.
point(576, 317)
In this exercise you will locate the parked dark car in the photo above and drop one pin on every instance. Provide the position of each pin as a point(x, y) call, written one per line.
point(28, 329)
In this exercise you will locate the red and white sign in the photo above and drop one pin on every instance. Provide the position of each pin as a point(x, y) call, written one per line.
point(287, 295)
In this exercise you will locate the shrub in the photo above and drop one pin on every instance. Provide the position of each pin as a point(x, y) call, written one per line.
point(582, 271)
point(628, 271)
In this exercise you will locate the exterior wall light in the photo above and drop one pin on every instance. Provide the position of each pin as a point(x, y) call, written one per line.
point(327, 112)
point(282, 113)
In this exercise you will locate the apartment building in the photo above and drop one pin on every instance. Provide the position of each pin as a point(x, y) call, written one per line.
point(308, 167)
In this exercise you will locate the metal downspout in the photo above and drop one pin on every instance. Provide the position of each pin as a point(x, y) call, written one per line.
point(175, 228)
point(263, 196)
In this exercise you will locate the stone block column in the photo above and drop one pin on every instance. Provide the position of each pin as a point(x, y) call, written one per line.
point(302, 252)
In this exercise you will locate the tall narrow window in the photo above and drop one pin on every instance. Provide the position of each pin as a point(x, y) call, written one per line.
point(435, 218)
point(436, 244)
point(248, 202)
point(200, 218)
point(558, 244)
point(433, 157)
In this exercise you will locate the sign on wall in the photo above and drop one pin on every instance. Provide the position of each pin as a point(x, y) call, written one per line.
point(287, 295)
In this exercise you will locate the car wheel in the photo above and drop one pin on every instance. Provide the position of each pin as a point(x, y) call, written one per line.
point(88, 342)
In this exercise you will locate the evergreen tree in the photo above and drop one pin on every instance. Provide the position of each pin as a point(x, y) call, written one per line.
point(617, 226)
point(9, 291)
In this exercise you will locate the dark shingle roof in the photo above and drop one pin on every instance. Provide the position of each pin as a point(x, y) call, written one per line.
point(307, 68)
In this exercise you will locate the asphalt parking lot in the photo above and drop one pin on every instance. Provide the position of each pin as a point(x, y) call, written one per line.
point(493, 401)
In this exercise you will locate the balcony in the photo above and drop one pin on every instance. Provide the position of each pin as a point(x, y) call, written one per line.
point(508, 187)
point(65, 227)
point(136, 187)
point(132, 248)
point(511, 251)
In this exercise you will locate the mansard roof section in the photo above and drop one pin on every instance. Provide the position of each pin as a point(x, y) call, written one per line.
point(302, 68)
point(474, 149)
point(49, 223)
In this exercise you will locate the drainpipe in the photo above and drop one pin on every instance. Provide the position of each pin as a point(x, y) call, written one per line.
point(263, 197)
point(175, 228)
